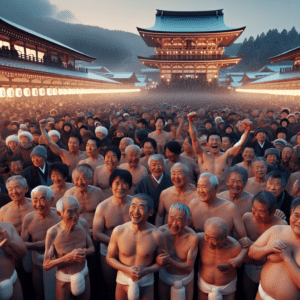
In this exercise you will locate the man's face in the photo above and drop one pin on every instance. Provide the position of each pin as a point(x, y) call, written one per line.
point(187, 147)
point(235, 183)
point(35, 138)
point(292, 120)
point(274, 186)
point(24, 140)
point(16, 167)
point(179, 177)
point(159, 124)
point(295, 189)
point(12, 145)
point(261, 136)
point(171, 156)
point(156, 168)
point(140, 125)
point(91, 148)
point(67, 128)
point(54, 139)
point(148, 149)
point(111, 160)
point(38, 161)
point(73, 144)
point(70, 214)
point(119, 187)
point(214, 144)
point(176, 221)
point(240, 126)
point(259, 169)
point(260, 212)
point(57, 178)
point(132, 122)
point(138, 211)
point(281, 135)
point(40, 203)
point(91, 122)
point(208, 126)
point(226, 144)
point(133, 158)
point(286, 154)
point(295, 220)
point(81, 181)
point(16, 191)
point(123, 145)
point(270, 114)
point(205, 191)
point(284, 115)
point(248, 154)
point(213, 237)
point(272, 159)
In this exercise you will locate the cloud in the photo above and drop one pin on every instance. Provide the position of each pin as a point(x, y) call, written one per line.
point(65, 16)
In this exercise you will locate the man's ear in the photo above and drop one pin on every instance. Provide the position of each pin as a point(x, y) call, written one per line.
point(151, 212)
point(59, 214)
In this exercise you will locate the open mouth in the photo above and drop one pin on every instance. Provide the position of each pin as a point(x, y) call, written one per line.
point(214, 147)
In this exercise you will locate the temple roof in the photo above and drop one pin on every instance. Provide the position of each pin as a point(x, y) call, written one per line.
point(23, 30)
point(273, 68)
point(288, 55)
point(189, 22)
point(277, 77)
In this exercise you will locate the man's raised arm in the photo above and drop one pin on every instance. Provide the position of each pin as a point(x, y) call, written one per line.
point(193, 134)
point(237, 147)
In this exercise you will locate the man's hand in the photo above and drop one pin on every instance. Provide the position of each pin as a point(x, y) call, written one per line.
point(4, 238)
point(245, 242)
point(192, 116)
point(247, 124)
point(77, 255)
point(285, 253)
point(43, 123)
point(276, 247)
point(280, 214)
point(163, 259)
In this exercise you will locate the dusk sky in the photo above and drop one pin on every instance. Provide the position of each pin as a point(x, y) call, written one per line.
point(257, 15)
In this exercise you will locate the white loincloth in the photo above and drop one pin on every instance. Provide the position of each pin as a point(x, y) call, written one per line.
point(27, 262)
point(263, 294)
point(77, 280)
point(178, 283)
point(253, 272)
point(103, 249)
point(133, 289)
point(48, 276)
point(216, 292)
point(7, 286)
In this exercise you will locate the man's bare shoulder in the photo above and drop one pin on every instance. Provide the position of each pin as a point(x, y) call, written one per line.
point(123, 166)
point(70, 192)
point(246, 194)
point(53, 231)
point(164, 228)
point(83, 223)
point(223, 195)
point(118, 230)
point(99, 169)
point(142, 169)
point(278, 221)
point(194, 203)
point(233, 244)
point(230, 206)
point(167, 192)
point(247, 217)
point(29, 218)
point(93, 189)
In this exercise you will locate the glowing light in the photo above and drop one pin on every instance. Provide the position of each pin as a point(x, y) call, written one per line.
point(54, 92)
point(2, 92)
point(34, 92)
point(42, 92)
point(49, 91)
point(270, 92)
point(10, 92)
point(19, 92)
point(26, 92)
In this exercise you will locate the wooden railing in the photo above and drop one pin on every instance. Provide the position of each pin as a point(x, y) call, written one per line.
point(290, 69)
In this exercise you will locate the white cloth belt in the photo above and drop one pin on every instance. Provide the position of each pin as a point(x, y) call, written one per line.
point(7, 286)
point(37, 258)
point(263, 294)
point(133, 289)
point(103, 249)
point(178, 283)
point(253, 272)
point(77, 280)
point(216, 292)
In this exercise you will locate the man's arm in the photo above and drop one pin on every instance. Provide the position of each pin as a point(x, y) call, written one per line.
point(159, 221)
point(98, 226)
point(193, 134)
point(237, 147)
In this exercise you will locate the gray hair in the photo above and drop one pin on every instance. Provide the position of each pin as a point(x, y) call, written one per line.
point(45, 189)
point(219, 223)
point(259, 159)
point(239, 170)
point(133, 148)
point(212, 179)
point(156, 157)
point(182, 207)
point(185, 167)
point(83, 169)
point(129, 140)
point(17, 177)
point(61, 203)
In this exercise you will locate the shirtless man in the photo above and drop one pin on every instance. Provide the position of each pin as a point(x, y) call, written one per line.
point(72, 157)
point(219, 254)
point(88, 196)
point(248, 155)
point(214, 161)
point(236, 180)
point(179, 260)
point(149, 146)
point(34, 229)
point(136, 242)
point(172, 151)
point(59, 173)
point(256, 223)
point(137, 171)
point(67, 245)
point(112, 156)
point(181, 192)
point(11, 246)
point(16, 210)
point(296, 188)
point(280, 244)
point(124, 143)
point(159, 135)
point(257, 183)
point(110, 213)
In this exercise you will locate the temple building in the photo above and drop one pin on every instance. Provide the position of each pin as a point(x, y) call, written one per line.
point(189, 45)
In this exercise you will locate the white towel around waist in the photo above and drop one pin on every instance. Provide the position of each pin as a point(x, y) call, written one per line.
point(7, 286)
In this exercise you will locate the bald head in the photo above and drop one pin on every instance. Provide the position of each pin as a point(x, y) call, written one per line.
point(218, 226)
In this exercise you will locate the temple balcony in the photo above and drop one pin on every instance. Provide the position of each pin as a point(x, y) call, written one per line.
point(290, 69)
point(180, 51)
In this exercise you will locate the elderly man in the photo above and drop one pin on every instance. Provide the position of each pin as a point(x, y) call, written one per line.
point(281, 246)
point(137, 171)
point(112, 156)
point(38, 173)
point(261, 144)
point(149, 146)
point(236, 180)
point(72, 157)
point(94, 158)
point(88, 196)
point(15, 211)
point(219, 256)
point(34, 229)
point(179, 260)
point(296, 188)
point(172, 151)
point(257, 183)
point(137, 243)
point(272, 156)
point(16, 166)
point(11, 246)
point(180, 192)
point(59, 173)
point(25, 147)
point(67, 245)
point(155, 183)
point(248, 155)
point(109, 214)
point(124, 143)
point(213, 161)
point(256, 223)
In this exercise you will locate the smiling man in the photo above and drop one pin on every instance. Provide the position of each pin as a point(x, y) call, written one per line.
point(136, 243)
point(248, 155)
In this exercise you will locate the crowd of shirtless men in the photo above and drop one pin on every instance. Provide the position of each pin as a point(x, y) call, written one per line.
point(162, 203)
